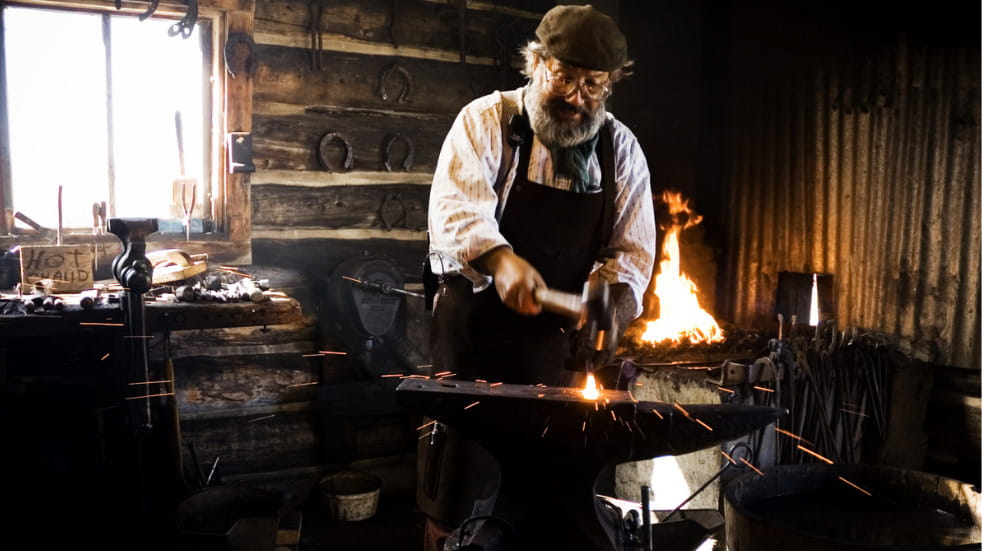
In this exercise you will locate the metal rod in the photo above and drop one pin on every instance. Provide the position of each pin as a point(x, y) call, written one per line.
point(645, 518)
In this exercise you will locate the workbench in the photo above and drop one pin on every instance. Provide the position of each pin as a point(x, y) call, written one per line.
point(75, 423)
point(160, 316)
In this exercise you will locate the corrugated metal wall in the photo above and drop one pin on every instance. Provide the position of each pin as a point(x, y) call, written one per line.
point(861, 162)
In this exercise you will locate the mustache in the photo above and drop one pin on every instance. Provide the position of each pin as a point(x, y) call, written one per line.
point(559, 104)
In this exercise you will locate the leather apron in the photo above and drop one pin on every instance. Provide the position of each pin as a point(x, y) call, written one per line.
point(475, 336)
point(558, 232)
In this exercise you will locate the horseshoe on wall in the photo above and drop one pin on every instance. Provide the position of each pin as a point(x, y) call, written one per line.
point(349, 157)
point(407, 163)
point(407, 87)
point(249, 65)
point(403, 214)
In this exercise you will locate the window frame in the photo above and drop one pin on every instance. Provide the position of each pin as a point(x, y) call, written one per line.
point(231, 111)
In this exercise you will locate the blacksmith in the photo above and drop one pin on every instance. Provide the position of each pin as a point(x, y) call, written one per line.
point(534, 187)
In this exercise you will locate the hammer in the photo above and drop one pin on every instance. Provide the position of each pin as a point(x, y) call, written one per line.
point(593, 309)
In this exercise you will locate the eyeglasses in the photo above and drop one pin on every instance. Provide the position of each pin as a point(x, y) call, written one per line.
point(565, 87)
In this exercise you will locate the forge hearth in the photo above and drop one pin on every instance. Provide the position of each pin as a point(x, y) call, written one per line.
point(551, 444)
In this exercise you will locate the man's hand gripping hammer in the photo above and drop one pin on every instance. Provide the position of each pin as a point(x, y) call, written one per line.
point(594, 312)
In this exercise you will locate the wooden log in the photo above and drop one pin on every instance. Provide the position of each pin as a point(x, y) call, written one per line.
point(255, 439)
point(284, 80)
point(416, 25)
point(381, 206)
point(217, 383)
point(292, 142)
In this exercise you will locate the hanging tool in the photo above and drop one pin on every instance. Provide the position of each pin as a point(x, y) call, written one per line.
point(185, 26)
point(186, 184)
point(316, 39)
point(150, 10)
point(60, 226)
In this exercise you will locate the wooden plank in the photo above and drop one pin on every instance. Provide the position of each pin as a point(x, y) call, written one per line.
point(238, 118)
point(263, 441)
point(420, 29)
point(223, 383)
point(319, 179)
point(354, 80)
point(288, 234)
point(378, 206)
point(292, 142)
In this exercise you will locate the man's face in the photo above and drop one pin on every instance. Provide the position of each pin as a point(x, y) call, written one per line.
point(566, 104)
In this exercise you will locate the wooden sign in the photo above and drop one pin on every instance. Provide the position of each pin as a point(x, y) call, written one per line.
point(69, 267)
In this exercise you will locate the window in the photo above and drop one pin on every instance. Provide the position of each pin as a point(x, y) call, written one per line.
point(102, 106)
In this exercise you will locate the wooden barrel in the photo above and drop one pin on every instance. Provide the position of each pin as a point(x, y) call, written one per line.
point(848, 508)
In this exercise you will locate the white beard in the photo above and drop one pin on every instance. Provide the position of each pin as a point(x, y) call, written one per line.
point(555, 132)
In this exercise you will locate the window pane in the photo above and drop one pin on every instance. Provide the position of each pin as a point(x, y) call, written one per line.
point(154, 76)
point(56, 109)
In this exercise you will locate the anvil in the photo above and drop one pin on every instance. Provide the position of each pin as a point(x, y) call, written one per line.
point(551, 444)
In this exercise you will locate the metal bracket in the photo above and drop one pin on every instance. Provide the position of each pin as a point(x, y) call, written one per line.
point(407, 87)
point(349, 158)
point(407, 162)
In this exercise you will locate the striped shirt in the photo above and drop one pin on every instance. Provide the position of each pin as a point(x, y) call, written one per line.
point(463, 201)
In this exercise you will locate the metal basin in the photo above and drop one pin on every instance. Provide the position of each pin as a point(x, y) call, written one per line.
point(820, 508)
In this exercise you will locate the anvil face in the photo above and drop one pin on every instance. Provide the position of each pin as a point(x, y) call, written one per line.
point(551, 443)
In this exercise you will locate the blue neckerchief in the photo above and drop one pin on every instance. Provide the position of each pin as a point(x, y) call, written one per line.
point(574, 163)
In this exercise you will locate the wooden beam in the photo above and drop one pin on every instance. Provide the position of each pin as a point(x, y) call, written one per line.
point(312, 178)
point(281, 234)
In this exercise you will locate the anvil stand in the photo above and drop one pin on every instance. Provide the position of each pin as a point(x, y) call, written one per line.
point(134, 271)
point(551, 444)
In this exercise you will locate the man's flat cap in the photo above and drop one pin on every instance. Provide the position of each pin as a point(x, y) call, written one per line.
point(583, 36)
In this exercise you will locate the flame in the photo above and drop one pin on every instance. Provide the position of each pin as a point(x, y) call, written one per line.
point(680, 317)
point(590, 390)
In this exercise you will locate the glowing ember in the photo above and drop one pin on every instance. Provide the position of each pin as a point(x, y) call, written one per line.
point(680, 317)
point(590, 390)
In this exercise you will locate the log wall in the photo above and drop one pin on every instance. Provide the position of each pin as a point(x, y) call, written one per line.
point(333, 129)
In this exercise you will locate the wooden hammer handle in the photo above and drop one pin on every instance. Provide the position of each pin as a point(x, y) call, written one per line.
point(559, 302)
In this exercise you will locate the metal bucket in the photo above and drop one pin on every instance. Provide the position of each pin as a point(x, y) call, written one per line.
point(850, 508)
point(351, 495)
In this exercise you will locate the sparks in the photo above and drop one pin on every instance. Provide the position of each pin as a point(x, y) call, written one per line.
point(303, 384)
point(747, 463)
point(424, 425)
point(764, 389)
point(710, 429)
point(793, 435)
point(332, 352)
point(590, 391)
point(680, 408)
point(655, 411)
point(151, 395)
point(472, 405)
point(724, 389)
point(855, 486)
point(728, 458)
point(823, 458)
